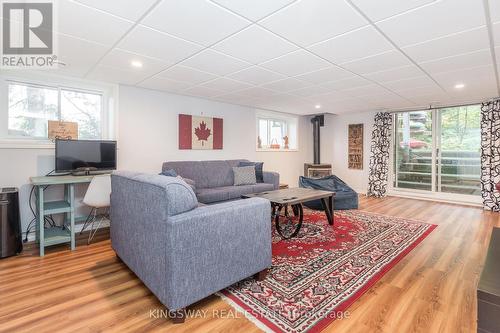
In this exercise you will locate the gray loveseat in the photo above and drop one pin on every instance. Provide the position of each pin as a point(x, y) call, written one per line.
point(183, 252)
point(214, 179)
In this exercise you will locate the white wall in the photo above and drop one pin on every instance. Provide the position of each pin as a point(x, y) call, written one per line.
point(148, 133)
point(335, 133)
point(148, 136)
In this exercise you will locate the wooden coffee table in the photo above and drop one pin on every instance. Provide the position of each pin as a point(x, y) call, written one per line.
point(293, 198)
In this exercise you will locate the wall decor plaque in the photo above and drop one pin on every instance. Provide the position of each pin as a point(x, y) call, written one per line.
point(355, 146)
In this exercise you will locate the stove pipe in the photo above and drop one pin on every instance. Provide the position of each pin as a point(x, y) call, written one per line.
point(317, 122)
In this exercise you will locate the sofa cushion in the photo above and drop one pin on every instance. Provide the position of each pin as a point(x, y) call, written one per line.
point(169, 173)
point(244, 175)
point(211, 195)
point(206, 174)
point(262, 187)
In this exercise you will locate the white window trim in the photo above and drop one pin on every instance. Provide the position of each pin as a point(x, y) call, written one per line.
point(275, 116)
point(109, 109)
point(464, 199)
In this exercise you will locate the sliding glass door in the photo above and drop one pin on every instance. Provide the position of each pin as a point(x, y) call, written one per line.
point(438, 150)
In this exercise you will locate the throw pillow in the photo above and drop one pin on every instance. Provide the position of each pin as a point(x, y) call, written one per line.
point(244, 175)
point(169, 173)
point(258, 169)
point(188, 181)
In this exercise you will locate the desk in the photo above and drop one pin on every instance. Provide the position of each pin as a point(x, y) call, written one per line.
point(56, 235)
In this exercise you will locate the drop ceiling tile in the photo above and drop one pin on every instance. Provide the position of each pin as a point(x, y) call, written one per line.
point(353, 45)
point(186, 74)
point(424, 95)
point(146, 41)
point(79, 55)
point(381, 9)
point(122, 60)
point(482, 76)
point(99, 27)
point(495, 10)
point(309, 91)
point(390, 104)
point(256, 75)
point(199, 21)
point(215, 62)
point(352, 82)
point(257, 92)
point(238, 99)
point(399, 73)
point(450, 45)
point(116, 75)
point(129, 9)
point(163, 84)
point(225, 84)
point(463, 61)
point(310, 21)
point(201, 91)
point(436, 20)
point(387, 100)
point(496, 33)
point(332, 96)
point(378, 63)
point(255, 45)
point(296, 63)
point(325, 75)
point(286, 85)
point(368, 90)
point(415, 82)
point(257, 10)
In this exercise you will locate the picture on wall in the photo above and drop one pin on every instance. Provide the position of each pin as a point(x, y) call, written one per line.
point(200, 132)
point(355, 147)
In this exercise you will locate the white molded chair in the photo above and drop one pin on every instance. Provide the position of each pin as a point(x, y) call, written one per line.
point(97, 197)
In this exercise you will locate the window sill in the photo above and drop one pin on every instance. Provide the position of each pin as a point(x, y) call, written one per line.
point(275, 150)
point(26, 144)
point(453, 198)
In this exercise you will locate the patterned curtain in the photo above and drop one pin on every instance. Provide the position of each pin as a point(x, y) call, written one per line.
point(490, 154)
point(379, 159)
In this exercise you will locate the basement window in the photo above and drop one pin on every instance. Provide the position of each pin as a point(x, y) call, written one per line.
point(276, 133)
point(30, 103)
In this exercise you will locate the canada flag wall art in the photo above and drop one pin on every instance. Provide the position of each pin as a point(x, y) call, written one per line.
point(200, 132)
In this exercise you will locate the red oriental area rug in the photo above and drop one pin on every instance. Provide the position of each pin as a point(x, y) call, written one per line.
point(318, 274)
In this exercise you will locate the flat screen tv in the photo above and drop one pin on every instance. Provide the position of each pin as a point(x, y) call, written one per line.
point(85, 155)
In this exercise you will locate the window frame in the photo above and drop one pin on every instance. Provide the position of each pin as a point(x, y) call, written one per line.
point(288, 122)
point(108, 94)
point(474, 200)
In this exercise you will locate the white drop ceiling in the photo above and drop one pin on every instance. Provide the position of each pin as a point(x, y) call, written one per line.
point(285, 55)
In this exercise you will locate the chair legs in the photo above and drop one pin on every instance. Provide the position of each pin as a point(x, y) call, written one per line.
point(92, 220)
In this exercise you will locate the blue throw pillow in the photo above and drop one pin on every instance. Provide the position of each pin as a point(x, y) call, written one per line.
point(169, 173)
point(259, 175)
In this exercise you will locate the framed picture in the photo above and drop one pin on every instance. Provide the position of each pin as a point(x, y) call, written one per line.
point(355, 146)
point(203, 133)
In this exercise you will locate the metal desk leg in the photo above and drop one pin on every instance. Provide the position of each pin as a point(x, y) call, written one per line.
point(41, 220)
point(72, 214)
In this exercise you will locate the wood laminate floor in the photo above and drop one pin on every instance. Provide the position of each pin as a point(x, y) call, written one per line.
point(433, 289)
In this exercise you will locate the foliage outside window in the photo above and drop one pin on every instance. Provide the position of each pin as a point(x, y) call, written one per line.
point(439, 150)
point(30, 107)
point(276, 133)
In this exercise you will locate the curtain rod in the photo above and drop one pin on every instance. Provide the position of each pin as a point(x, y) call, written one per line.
point(440, 107)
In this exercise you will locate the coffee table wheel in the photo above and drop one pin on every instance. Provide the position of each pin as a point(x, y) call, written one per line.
point(296, 218)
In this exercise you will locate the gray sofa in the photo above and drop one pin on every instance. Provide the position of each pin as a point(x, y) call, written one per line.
point(214, 179)
point(184, 252)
